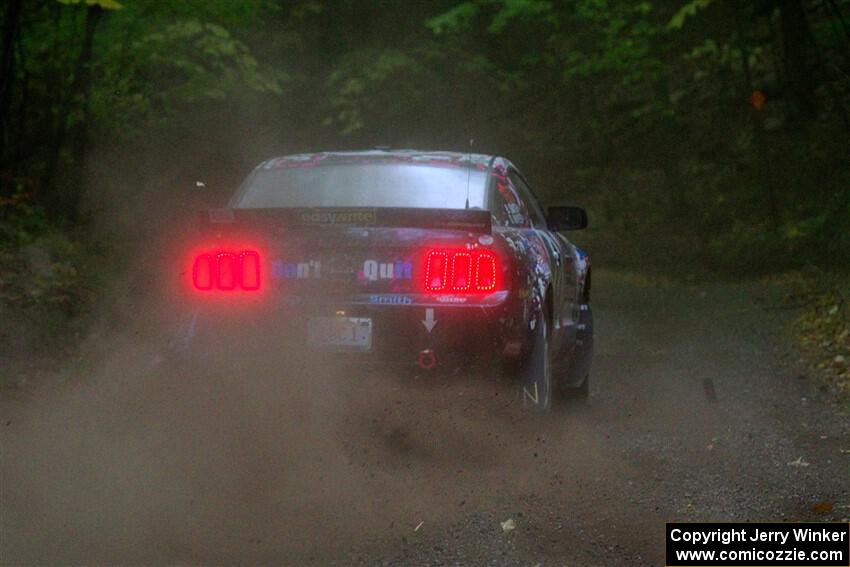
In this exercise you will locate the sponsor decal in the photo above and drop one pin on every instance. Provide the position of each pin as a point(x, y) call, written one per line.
point(391, 299)
point(451, 299)
point(515, 214)
point(373, 270)
point(309, 269)
point(370, 271)
point(338, 216)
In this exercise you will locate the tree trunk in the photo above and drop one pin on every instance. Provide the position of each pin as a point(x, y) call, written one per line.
point(66, 199)
point(82, 86)
point(759, 140)
point(11, 23)
point(59, 118)
point(795, 40)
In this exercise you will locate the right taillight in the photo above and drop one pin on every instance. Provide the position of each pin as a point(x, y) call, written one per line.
point(227, 271)
point(461, 271)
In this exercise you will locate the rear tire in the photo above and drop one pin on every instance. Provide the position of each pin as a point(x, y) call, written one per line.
point(536, 386)
point(580, 394)
point(578, 368)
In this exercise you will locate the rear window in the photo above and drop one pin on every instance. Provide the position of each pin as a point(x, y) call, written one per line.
point(364, 185)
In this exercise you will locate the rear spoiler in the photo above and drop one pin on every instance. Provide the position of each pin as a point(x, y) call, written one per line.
point(469, 220)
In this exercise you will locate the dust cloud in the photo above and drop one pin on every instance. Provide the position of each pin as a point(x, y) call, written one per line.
point(256, 453)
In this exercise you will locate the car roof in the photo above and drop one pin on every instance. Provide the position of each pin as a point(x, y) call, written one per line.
point(434, 158)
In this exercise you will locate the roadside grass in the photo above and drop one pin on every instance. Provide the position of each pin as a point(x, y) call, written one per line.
point(50, 277)
point(821, 330)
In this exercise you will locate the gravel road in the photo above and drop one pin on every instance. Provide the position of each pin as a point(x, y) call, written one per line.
point(696, 413)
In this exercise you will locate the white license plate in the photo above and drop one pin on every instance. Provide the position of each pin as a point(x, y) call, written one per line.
point(340, 333)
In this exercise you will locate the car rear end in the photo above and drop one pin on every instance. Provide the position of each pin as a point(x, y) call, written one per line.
point(415, 284)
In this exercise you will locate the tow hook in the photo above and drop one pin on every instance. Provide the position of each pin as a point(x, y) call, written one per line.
point(427, 359)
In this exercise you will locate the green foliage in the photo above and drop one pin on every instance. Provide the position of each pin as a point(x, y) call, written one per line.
point(191, 61)
point(151, 59)
point(105, 4)
point(43, 270)
point(367, 84)
point(510, 10)
point(458, 18)
point(651, 100)
point(689, 10)
point(21, 220)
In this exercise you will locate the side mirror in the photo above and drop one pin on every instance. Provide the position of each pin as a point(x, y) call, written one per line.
point(567, 218)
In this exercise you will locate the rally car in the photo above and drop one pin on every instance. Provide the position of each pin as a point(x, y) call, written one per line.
point(436, 258)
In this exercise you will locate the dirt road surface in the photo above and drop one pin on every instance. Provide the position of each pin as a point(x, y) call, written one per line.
point(696, 413)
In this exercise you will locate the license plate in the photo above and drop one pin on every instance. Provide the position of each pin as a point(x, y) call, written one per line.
point(340, 333)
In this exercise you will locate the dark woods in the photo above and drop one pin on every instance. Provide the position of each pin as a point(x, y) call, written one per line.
point(713, 131)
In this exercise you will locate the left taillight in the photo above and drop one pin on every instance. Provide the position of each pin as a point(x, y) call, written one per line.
point(227, 271)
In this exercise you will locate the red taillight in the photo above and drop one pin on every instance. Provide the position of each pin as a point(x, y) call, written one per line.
point(250, 263)
point(436, 270)
point(461, 271)
point(203, 272)
point(486, 272)
point(227, 271)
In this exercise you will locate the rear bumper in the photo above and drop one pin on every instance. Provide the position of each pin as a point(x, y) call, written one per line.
point(400, 333)
point(459, 334)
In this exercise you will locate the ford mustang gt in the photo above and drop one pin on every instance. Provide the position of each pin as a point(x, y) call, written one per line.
point(435, 258)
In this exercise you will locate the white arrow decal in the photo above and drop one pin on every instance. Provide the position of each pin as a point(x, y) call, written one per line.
point(429, 321)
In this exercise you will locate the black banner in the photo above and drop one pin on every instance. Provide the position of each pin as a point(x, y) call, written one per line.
point(758, 544)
